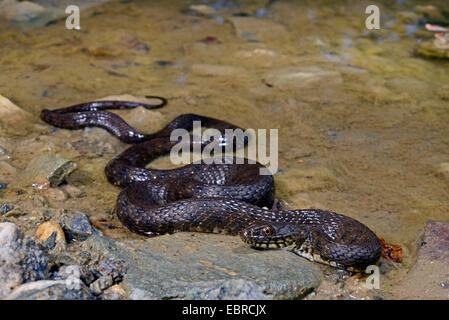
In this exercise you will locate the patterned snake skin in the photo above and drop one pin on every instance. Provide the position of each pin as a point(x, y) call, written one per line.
point(226, 197)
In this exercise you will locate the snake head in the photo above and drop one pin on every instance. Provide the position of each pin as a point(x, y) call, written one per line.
point(269, 235)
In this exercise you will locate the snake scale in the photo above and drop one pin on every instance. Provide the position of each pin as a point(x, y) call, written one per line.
point(221, 197)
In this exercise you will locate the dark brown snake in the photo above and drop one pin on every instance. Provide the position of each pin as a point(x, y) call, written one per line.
point(215, 197)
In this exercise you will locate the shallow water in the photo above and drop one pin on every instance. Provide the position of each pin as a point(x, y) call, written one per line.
point(362, 118)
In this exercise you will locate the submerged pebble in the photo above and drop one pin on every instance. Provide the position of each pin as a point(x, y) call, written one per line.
point(202, 10)
point(56, 194)
point(115, 292)
point(77, 226)
point(163, 63)
point(5, 208)
point(101, 284)
point(114, 268)
point(48, 168)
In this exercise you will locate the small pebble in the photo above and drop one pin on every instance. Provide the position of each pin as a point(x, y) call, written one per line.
point(39, 201)
point(5, 208)
point(219, 20)
point(77, 226)
point(73, 191)
point(87, 275)
point(164, 63)
point(84, 257)
point(101, 284)
point(3, 185)
point(262, 12)
point(115, 292)
point(114, 268)
point(46, 229)
point(209, 40)
point(56, 194)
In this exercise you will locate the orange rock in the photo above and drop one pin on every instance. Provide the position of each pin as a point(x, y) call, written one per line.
point(45, 230)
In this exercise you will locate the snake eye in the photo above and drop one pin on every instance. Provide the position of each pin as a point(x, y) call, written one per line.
point(268, 231)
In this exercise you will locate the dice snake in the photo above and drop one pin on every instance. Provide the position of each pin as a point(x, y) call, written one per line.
point(227, 195)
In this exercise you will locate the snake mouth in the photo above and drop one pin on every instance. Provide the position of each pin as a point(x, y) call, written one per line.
point(270, 244)
point(265, 237)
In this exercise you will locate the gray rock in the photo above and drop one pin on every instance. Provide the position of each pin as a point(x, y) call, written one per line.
point(21, 259)
point(5, 208)
point(25, 14)
point(75, 272)
point(77, 226)
point(9, 234)
point(47, 168)
point(206, 266)
point(238, 289)
point(37, 13)
point(10, 272)
point(113, 268)
point(101, 284)
point(50, 290)
point(34, 261)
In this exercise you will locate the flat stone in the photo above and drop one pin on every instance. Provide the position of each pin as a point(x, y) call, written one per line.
point(25, 14)
point(216, 70)
point(250, 28)
point(429, 278)
point(9, 233)
point(206, 266)
point(10, 113)
point(73, 191)
point(443, 169)
point(202, 9)
point(56, 194)
point(436, 48)
point(429, 12)
point(37, 13)
point(50, 290)
point(7, 171)
point(407, 17)
point(301, 77)
point(21, 259)
point(10, 270)
point(49, 168)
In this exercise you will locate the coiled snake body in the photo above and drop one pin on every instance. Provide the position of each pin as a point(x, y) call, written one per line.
point(218, 197)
